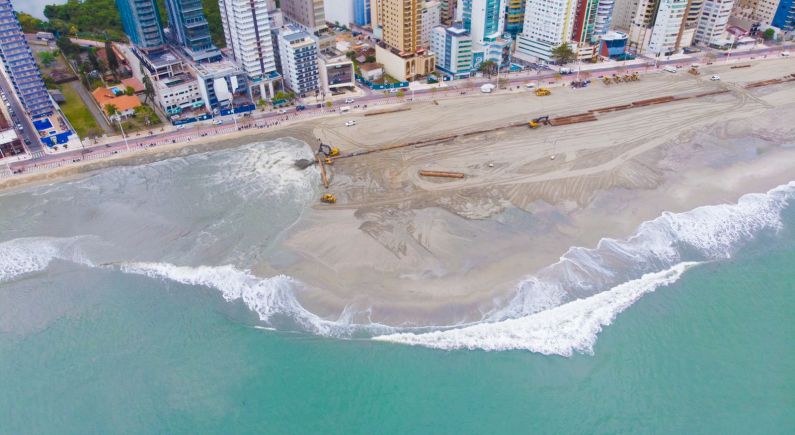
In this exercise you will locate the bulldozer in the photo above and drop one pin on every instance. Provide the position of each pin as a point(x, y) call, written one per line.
point(635, 77)
point(538, 122)
point(543, 92)
point(328, 199)
point(693, 70)
point(607, 80)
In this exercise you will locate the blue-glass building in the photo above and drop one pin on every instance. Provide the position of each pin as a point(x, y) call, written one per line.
point(190, 30)
point(361, 12)
point(20, 66)
point(141, 22)
point(785, 16)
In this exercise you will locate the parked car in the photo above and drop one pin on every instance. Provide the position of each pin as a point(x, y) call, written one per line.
point(19, 127)
point(715, 78)
point(350, 123)
point(785, 53)
point(27, 141)
point(393, 91)
point(282, 111)
point(180, 127)
point(348, 100)
point(670, 69)
point(217, 121)
point(300, 107)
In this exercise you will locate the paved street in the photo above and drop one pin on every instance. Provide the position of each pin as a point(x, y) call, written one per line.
point(266, 120)
point(35, 148)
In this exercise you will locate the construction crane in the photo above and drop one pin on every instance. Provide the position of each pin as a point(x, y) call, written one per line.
point(535, 123)
point(543, 92)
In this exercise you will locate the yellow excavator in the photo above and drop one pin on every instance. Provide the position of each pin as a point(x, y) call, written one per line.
point(328, 199)
point(538, 122)
point(543, 92)
point(327, 150)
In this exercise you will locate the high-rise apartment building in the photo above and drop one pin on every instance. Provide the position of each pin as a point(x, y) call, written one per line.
point(141, 22)
point(190, 30)
point(308, 14)
point(361, 12)
point(603, 20)
point(784, 18)
point(714, 19)
point(656, 26)
point(514, 16)
point(248, 37)
point(584, 20)
point(431, 16)
point(20, 67)
point(547, 25)
point(339, 11)
point(484, 19)
point(299, 51)
point(664, 36)
point(399, 22)
point(448, 8)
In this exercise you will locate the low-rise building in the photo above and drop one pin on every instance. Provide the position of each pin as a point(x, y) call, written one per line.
point(124, 105)
point(179, 93)
point(336, 71)
point(371, 71)
point(453, 49)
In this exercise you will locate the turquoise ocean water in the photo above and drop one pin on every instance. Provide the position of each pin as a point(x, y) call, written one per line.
point(86, 349)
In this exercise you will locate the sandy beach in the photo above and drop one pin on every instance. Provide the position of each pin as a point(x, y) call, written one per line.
point(408, 250)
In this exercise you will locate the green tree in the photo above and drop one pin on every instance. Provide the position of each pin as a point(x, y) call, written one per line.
point(46, 58)
point(111, 109)
point(67, 47)
point(113, 61)
point(329, 104)
point(149, 89)
point(563, 54)
point(768, 34)
point(129, 91)
point(29, 23)
point(369, 59)
point(488, 67)
point(94, 60)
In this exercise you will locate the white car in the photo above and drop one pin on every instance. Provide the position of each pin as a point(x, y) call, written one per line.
point(785, 53)
point(348, 100)
point(282, 111)
point(217, 122)
point(350, 123)
point(670, 69)
point(394, 91)
point(715, 78)
point(180, 127)
point(530, 86)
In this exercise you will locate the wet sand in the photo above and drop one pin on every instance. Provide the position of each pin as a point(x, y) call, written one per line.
point(414, 250)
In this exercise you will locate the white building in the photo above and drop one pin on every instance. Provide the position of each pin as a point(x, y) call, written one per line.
point(547, 25)
point(299, 60)
point(665, 33)
point(336, 71)
point(453, 49)
point(431, 16)
point(248, 37)
point(714, 18)
point(178, 93)
point(483, 19)
point(339, 11)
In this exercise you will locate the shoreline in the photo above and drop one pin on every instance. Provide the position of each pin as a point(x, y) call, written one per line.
point(405, 250)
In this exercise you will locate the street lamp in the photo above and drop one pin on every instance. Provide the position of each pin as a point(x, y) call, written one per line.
point(127, 144)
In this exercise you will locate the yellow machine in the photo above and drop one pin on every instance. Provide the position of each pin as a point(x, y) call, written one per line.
point(694, 71)
point(543, 92)
point(635, 77)
point(328, 198)
point(328, 151)
point(538, 122)
point(607, 80)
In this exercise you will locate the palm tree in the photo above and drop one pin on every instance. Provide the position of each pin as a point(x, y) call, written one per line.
point(488, 67)
point(111, 109)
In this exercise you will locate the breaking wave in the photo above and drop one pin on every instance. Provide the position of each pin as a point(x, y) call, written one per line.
point(273, 299)
point(561, 330)
point(33, 254)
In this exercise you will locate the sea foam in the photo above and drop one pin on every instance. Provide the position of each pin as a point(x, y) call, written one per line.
point(567, 328)
point(33, 254)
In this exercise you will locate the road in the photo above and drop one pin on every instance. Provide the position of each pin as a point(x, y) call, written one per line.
point(264, 120)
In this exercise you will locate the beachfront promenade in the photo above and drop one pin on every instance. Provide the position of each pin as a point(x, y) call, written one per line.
point(511, 82)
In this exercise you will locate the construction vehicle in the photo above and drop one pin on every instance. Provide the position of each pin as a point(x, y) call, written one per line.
point(580, 83)
point(607, 80)
point(327, 150)
point(543, 92)
point(538, 122)
point(328, 199)
point(635, 77)
point(694, 71)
